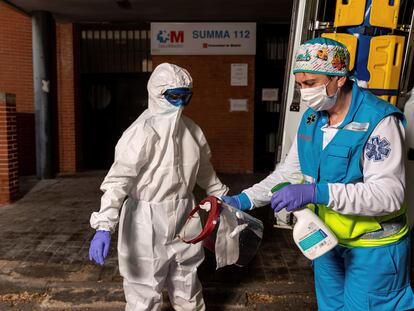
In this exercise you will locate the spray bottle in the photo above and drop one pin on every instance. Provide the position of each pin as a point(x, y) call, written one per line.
point(310, 233)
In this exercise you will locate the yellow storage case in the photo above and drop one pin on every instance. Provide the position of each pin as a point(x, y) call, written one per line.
point(350, 14)
point(391, 99)
point(385, 62)
point(383, 14)
point(350, 41)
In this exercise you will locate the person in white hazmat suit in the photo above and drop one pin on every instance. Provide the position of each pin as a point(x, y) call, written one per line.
point(409, 145)
point(158, 161)
point(409, 131)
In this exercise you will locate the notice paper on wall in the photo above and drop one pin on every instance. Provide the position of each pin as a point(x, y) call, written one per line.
point(238, 105)
point(239, 75)
point(270, 94)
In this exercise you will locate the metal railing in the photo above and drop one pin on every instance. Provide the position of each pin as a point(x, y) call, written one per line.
point(124, 49)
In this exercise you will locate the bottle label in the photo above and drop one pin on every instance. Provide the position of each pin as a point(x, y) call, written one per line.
point(312, 239)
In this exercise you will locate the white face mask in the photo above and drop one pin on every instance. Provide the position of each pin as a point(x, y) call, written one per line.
point(317, 98)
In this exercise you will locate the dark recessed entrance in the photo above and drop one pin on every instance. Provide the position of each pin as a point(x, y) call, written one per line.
point(115, 65)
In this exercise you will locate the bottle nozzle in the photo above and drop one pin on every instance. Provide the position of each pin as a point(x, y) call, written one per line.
point(278, 187)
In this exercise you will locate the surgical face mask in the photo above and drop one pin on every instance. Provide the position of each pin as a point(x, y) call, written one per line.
point(178, 97)
point(317, 98)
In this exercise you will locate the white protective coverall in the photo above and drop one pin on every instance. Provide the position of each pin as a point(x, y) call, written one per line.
point(158, 161)
point(409, 143)
point(409, 115)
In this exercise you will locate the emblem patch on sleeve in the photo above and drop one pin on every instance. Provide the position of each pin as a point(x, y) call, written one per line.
point(377, 149)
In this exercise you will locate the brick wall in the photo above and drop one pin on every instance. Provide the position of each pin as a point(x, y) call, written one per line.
point(229, 134)
point(16, 77)
point(66, 97)
point(9, 177)
point(16, 65)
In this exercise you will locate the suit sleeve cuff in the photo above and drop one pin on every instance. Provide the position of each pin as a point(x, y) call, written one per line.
point(245, 201)
point(322, 194)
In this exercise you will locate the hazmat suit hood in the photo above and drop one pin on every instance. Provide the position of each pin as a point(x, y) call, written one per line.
point(166, 76)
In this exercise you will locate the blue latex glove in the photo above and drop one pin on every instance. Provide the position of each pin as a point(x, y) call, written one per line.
point(100, 246)
point(240, 201)
point(293, 197)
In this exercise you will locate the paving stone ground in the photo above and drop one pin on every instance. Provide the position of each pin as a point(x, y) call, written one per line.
point(44, 241)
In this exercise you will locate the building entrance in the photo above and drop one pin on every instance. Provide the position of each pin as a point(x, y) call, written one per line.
point(115, 65)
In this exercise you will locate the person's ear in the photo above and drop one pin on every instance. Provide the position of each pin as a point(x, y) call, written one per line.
point(341, 81)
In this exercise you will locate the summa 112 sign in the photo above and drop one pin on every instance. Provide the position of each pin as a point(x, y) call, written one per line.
point(203, 38)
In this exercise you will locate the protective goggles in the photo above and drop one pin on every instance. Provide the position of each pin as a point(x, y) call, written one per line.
point(178, 97)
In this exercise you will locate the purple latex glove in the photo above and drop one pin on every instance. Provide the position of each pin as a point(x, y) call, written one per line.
point(100, 246)
point(293, 197)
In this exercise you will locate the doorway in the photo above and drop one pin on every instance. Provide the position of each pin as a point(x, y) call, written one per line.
point(110, 103)
point(115, 65)
point(272, 45)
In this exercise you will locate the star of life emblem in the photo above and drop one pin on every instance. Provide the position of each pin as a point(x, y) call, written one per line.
point(377, 149)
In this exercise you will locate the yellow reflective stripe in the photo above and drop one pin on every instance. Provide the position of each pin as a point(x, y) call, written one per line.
point(376, 242)
point(348, 228)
